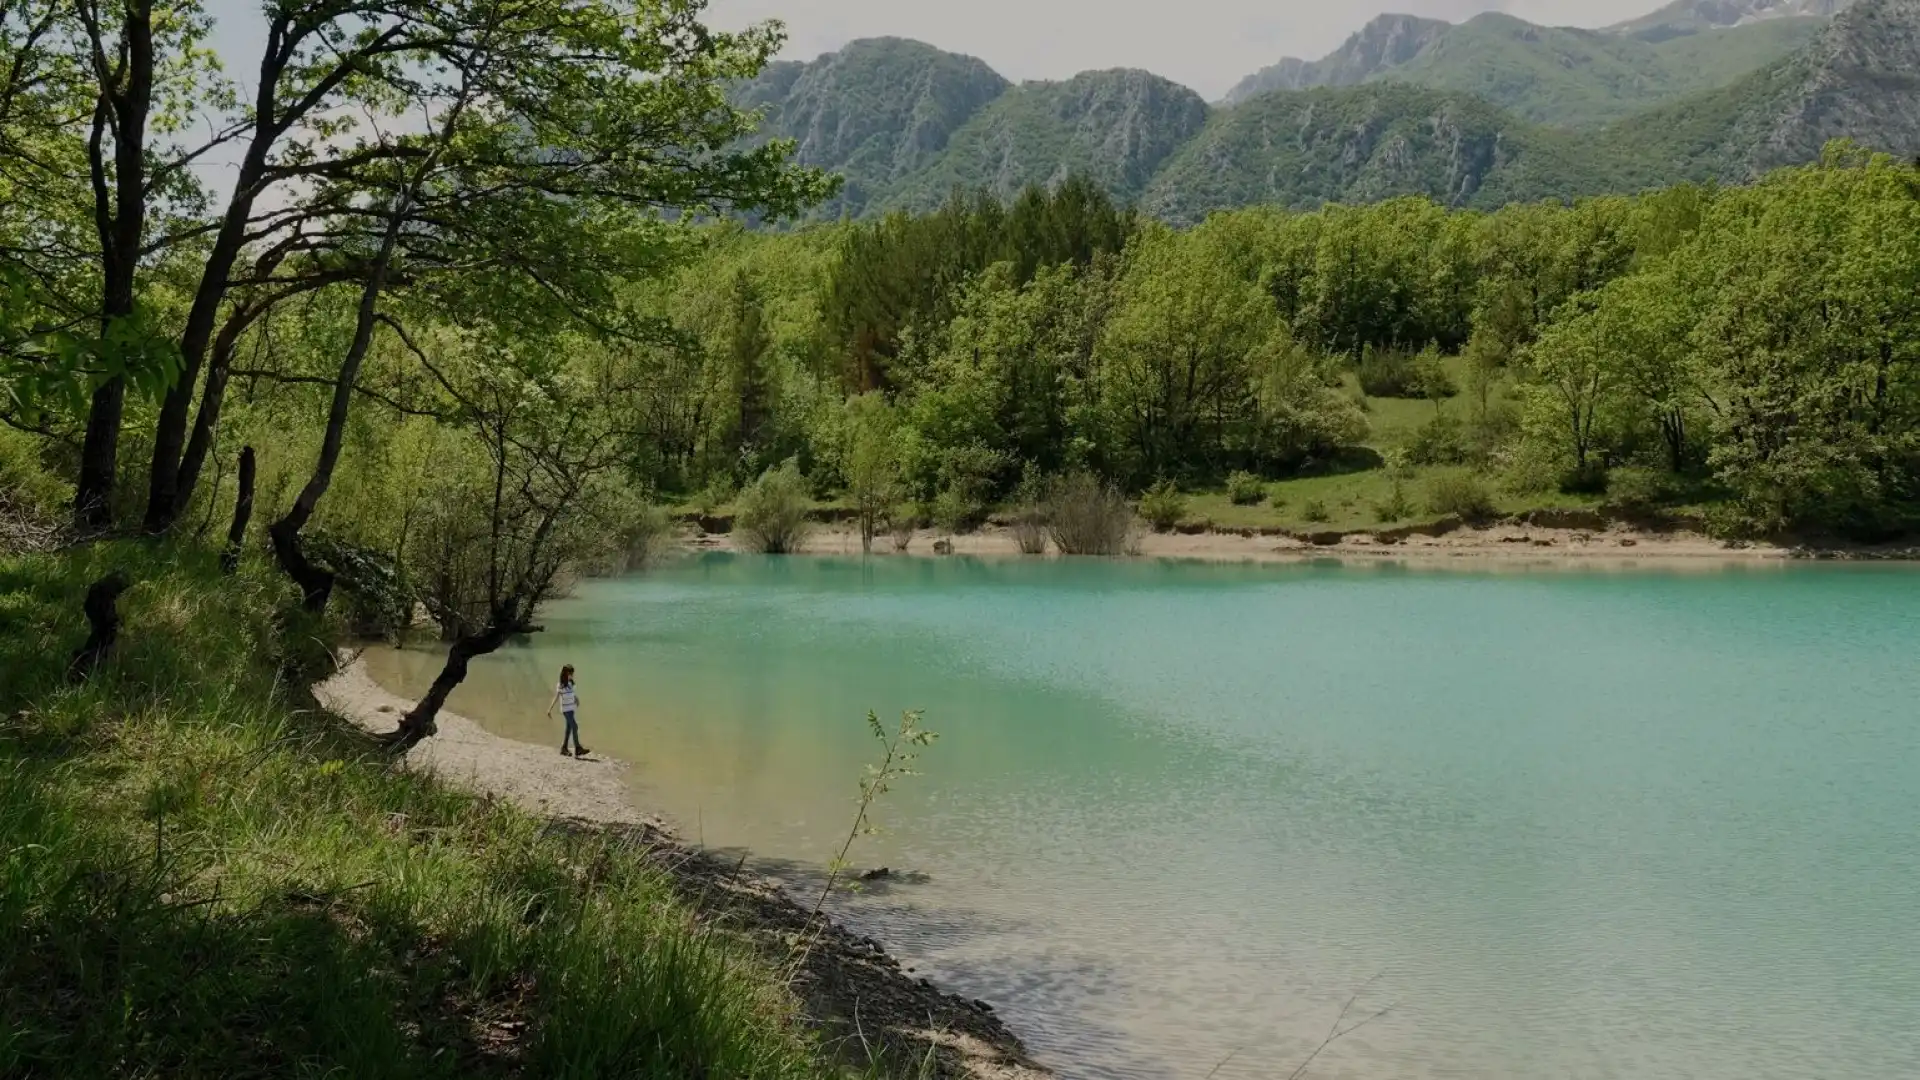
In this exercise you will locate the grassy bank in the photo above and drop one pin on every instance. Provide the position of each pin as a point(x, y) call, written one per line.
point(200, 874)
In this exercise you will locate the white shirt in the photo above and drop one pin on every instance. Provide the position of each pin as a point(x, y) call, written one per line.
point(568, 701)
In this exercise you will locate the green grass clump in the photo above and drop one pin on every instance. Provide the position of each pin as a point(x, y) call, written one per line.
point(1163, 506)
point(1462, 495)
point(201, 875)
point(1246, 489)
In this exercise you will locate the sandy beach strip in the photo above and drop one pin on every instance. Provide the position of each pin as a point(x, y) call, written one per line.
point(1506, 545)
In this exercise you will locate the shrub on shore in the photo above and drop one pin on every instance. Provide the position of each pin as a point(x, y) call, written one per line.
point(1030, 513)
point(1462, 495)
point(1163, 506)
point(1246, 489)
point(773, 511)
point(1087, 516)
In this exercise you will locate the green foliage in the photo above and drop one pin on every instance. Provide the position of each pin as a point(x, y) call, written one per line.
point(1462, 495)
point(1397, 506)
point(1443, 440)
point(871, 462)
point(379, 603)
point(1162, 506)
point(1315, 510)
point(31, 497)
point(900, 748)
point(182, 833)
point(1246, 489)
point(1389, 374)
point(1588, 479)
point(639, 534)
point(772, 512)
point(1641, 490)
point(898, 281)
point(957, 510)
point(27, 485)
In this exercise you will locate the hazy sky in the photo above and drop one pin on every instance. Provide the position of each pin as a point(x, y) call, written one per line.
point(1206, 44)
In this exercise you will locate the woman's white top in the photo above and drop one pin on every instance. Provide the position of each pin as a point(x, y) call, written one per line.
point(568, 700)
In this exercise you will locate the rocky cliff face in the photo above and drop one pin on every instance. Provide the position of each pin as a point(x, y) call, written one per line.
point(1386, 42)
point(1354, 144)
point(907, 123)
point(1696, 16)
point(1860, 80)
point(1115, 127)
point(877, 111)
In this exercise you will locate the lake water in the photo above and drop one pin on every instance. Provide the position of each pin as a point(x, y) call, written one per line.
point(1555, 824)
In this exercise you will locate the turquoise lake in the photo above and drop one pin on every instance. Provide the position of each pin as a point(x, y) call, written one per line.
point(1554, 823)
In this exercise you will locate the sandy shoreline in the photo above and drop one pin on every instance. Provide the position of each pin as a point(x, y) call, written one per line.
point(850, 987)
point(1502, 545)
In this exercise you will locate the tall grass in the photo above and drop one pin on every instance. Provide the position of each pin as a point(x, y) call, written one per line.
point(202, 875)
point(1030, 513)
point(1088, 516)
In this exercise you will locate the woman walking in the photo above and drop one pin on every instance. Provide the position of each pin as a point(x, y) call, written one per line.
point(565, 696)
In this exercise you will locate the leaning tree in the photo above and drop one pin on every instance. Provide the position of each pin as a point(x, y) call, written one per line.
point(558, 148)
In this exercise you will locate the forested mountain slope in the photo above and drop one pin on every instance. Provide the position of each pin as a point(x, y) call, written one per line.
point(1859, 80)
point(1560, 76)
point(1472, 115)
point(875, 112)
point(1115, 127)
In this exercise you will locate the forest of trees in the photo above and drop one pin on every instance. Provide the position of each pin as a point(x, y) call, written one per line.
point(380, 271)
point(1751, 350)
point(473, 293)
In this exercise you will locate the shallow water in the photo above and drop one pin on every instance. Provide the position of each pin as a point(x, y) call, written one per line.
point(1556, 824)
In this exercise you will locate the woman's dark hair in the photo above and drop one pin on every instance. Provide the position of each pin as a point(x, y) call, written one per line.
point(566, 675)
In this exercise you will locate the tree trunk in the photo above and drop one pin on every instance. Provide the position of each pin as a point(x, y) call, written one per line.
point(242, 513)
point(120, 220)
point(169, 485)
point(104, 618)
point(316, 584)
point(420, 722)
point(171, 478)
point(99, 458)
point(1674, 426)
point(174, 474)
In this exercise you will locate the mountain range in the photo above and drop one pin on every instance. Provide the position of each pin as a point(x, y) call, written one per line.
point(1487, 111)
